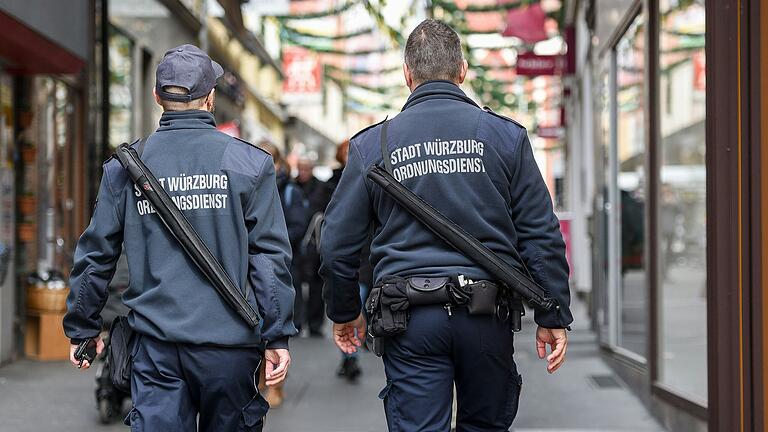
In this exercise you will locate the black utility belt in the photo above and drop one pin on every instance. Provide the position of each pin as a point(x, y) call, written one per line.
point(481, 297)
point(391, 299)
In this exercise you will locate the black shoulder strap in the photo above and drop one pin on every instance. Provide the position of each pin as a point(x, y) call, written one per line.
point(140, 147)
point(385, 147)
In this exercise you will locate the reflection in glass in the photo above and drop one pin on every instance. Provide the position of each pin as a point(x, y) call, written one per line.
point(602, 201)
point(682, 200)
point(120, 88)
point(631, 196)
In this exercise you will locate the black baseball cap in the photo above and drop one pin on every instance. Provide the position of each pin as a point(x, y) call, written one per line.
point(188, 67)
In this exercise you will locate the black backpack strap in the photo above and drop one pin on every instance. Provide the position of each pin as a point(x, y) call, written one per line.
point(385, 147)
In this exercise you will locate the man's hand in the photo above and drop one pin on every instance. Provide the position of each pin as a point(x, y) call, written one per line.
point(351, 335)
point(86, 364)
point(558, 340)
point(276, 367)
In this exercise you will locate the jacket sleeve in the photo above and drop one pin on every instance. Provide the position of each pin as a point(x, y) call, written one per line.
point(95, 260)
point(343, 236)
point(539, 239)
point(269, 258)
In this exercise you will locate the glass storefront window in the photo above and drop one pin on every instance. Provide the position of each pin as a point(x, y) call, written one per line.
point(120, 88)
point(630, 194)
point(682, 200)
point(602, 201)
point(55, 182)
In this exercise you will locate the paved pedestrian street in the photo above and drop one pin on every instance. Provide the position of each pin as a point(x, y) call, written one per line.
point(36, 397)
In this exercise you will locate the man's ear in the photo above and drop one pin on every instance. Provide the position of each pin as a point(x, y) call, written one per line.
point(157, 98)
point(463, 72)
point(408, 77)
point(210, 100)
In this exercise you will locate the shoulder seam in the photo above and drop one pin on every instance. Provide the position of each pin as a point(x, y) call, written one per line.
point(258, 170)
point(367, 128)
point(493, 113)
point(250, 144)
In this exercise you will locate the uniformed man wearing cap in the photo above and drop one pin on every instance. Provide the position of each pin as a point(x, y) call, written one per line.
point(195, 364)
point(477, 169)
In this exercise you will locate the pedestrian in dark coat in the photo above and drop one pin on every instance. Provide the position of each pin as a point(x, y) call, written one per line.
point(308, 259)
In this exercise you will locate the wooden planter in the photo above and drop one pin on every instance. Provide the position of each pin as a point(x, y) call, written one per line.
point(47, 300)
point(27, 232)
point(27, 205)
point(28, 155)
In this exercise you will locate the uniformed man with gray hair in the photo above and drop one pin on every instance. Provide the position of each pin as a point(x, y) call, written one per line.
point(477, 169)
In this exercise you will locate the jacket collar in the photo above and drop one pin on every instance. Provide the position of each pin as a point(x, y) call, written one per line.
point(437, 90)
point(192, 119)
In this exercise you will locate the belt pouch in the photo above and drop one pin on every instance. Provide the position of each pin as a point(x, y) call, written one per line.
point(388, 308)
point(428, 291)
point(482, 299)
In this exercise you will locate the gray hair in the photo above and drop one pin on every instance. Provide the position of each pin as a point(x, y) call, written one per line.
point(433, 52)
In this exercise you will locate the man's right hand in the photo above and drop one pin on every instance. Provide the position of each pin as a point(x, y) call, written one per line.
point(86, 364)
point(558, 340)
point(276, 368)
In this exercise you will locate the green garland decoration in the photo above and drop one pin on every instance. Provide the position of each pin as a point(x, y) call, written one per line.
point(356, 105)
point(388, 91)
point(494, 97)
point(313, 15)
point(451, 6)
point(480, 68)
point(326, 50)
point(354, 71)
point(293, 32)
point(499, 48)
point(378, 17)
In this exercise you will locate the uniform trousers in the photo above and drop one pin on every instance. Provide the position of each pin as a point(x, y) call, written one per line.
point(173, 384)
point(438, 351)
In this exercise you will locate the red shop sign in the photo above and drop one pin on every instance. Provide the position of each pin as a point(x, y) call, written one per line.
point(302, 71)
point(530, 64)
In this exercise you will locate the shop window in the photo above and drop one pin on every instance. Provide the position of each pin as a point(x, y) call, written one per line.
point(602, 98)
point(629, 197)
point(121, 84)
point(681, 199)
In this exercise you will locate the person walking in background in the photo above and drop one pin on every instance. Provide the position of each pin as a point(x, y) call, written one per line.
point(444, 314)
point(350, 365)
point(295, 207)
point(195, 361)
point(308, 259)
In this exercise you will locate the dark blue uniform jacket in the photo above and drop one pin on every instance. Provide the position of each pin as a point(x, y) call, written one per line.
point(476, 168)
point(227, 190)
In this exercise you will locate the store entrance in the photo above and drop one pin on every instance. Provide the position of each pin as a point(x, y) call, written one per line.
point(7, 206)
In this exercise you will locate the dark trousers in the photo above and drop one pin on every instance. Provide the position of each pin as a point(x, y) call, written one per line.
point(310, 310)
point(438, 350)
point(174, 383)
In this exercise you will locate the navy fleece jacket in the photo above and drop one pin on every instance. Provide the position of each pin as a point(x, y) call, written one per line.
point(226, 188)
point(476, 168)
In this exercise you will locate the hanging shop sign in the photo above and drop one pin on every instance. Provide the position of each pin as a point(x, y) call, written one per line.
point(302, 71)
point(527, 23)
point(530, 64)
point(569, 64)
point(550, 132)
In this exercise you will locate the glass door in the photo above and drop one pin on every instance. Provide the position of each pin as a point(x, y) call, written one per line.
point(626, 186)
point(682, 213)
